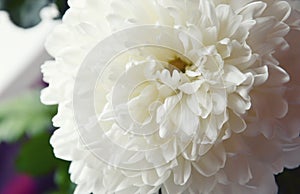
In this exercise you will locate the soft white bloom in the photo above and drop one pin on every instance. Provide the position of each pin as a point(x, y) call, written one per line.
point(207, 115)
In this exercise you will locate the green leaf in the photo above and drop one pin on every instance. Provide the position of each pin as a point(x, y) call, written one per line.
point(62, 180)
point(36, 156)
point(24, 114)
point(24, 13)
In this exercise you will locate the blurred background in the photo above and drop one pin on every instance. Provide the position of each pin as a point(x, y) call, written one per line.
point(27, 163)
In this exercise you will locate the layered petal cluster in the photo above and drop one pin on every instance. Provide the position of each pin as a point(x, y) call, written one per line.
point(217, 118)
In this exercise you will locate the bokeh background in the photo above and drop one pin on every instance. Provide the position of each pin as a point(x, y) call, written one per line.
point(27, 163)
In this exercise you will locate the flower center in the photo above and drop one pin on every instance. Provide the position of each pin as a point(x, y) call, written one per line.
point(179, 63)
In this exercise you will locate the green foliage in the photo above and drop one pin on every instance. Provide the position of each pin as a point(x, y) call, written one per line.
point(36, 158)
point(26, 13)
point(24, 115)
point(62, 180)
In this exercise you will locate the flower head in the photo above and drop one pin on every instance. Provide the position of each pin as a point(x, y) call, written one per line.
point(180, 95)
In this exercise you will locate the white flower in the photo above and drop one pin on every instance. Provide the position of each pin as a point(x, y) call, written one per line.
point(203, 110)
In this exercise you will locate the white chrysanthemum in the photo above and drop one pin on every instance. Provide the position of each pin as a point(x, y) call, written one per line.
point(208, 114)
